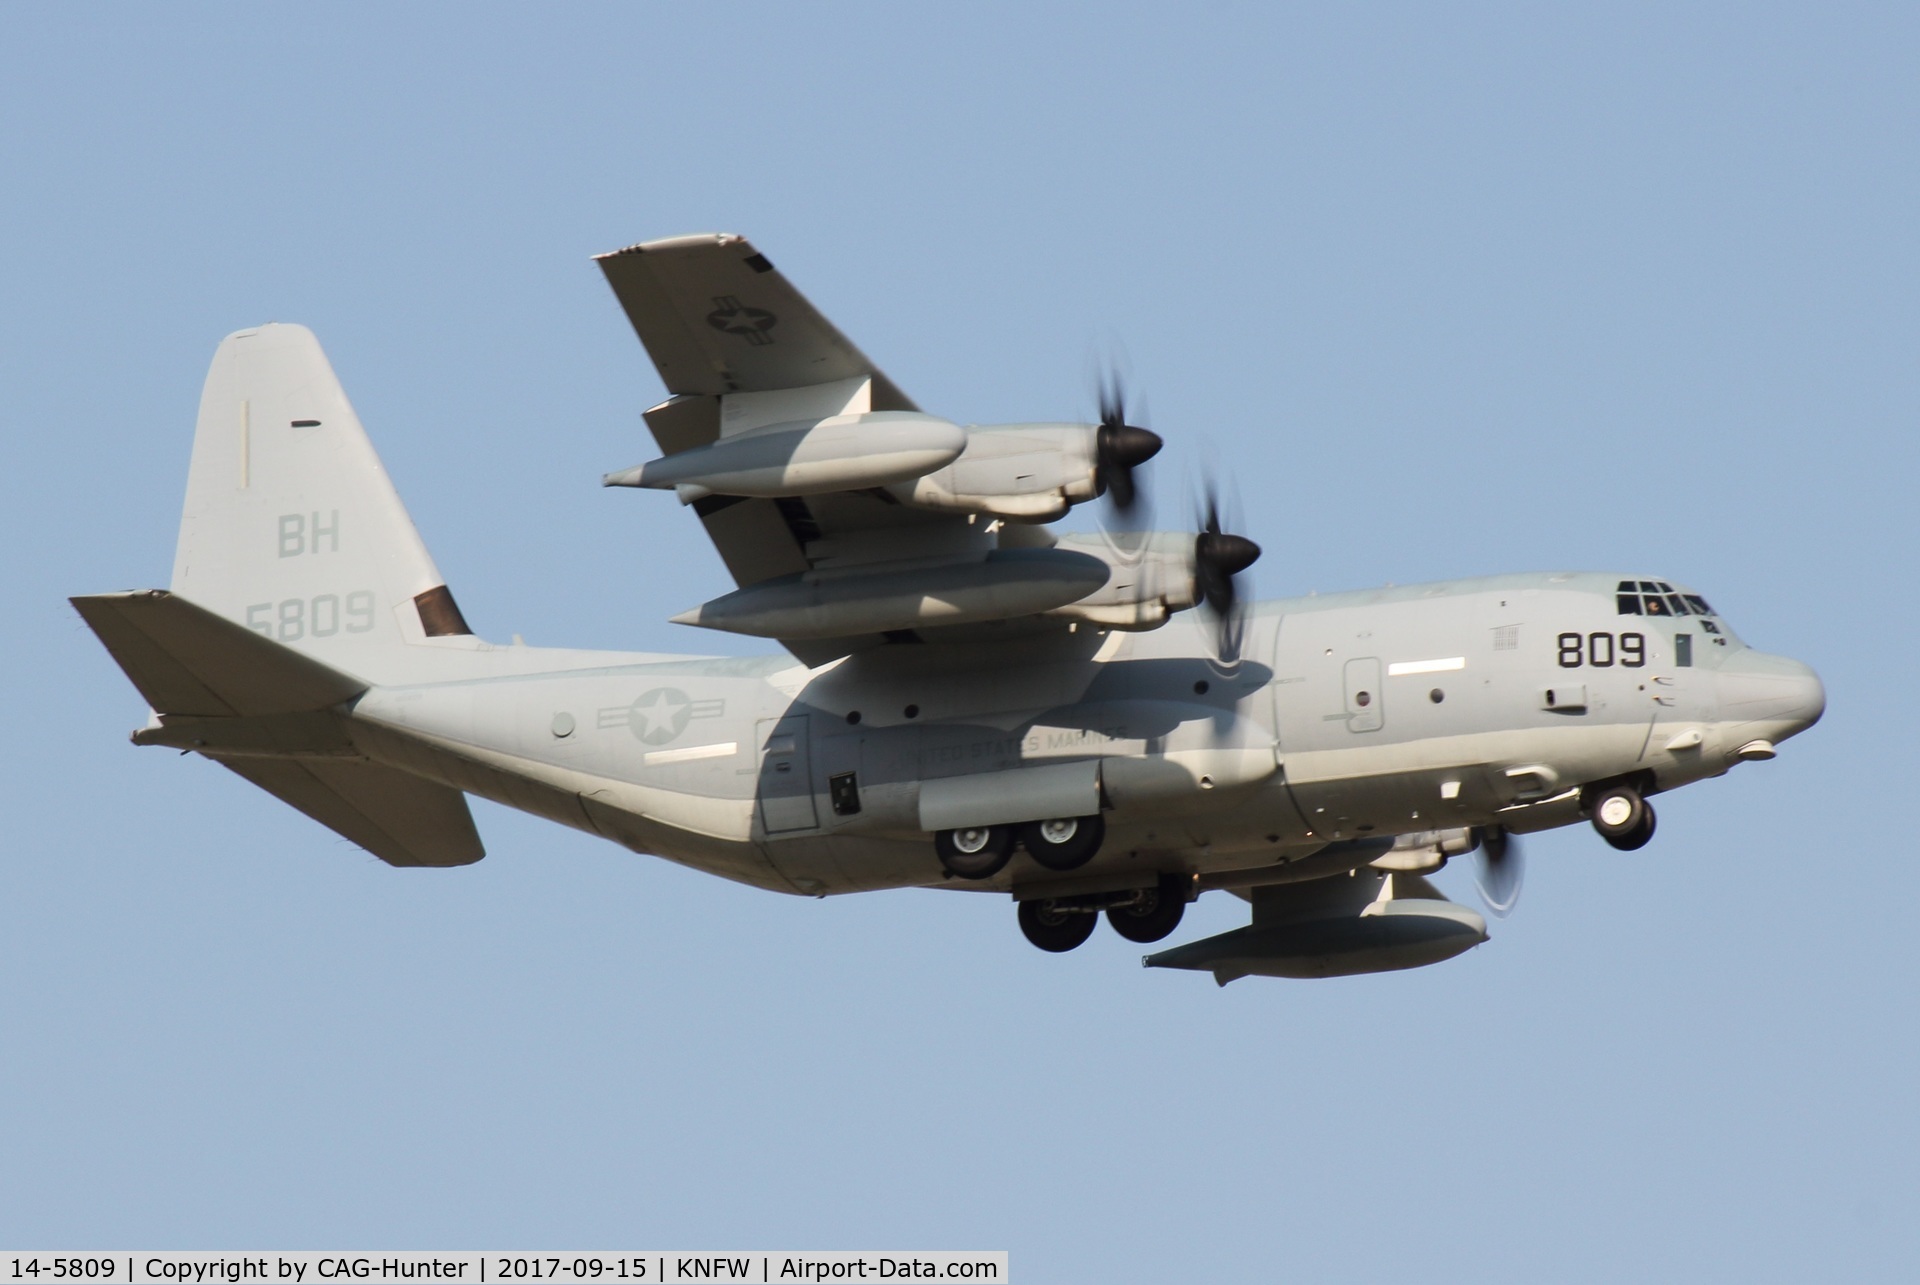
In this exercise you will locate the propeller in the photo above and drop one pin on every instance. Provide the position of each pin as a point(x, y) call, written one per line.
point(1120, 447)
point(1218, 558)
point(1499, 870)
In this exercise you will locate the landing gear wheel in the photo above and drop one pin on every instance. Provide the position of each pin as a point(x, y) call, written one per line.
point(974, 852)
point(1051, 926)
point(1156, 914)
point(1622, 817)
point(1064, 843)
point(1641, 835)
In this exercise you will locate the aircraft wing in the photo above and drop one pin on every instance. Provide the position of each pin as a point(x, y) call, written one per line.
point(731, 337)
point(717, 317)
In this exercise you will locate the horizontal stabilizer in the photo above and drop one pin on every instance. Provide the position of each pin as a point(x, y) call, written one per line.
point(187, 660)
point(401, 819)
point(193, 665)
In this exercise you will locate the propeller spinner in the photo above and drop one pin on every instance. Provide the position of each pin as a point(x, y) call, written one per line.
point(1120, 448)
point(1218, 558)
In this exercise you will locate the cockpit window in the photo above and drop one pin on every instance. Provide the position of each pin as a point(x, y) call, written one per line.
point(1657, 598)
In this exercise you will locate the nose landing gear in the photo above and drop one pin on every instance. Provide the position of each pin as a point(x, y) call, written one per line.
point(1623, 818)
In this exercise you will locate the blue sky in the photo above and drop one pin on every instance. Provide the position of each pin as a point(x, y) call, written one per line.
point(1444, 291)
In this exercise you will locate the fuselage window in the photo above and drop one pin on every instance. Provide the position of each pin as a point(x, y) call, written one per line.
point(1683, 650)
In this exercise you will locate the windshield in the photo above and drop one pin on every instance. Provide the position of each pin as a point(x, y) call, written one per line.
point(1658, 598)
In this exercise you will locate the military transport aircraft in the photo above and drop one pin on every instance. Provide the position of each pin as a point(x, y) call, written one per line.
point(1091, 724)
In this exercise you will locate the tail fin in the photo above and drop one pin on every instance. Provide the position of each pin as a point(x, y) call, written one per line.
point(291, 527)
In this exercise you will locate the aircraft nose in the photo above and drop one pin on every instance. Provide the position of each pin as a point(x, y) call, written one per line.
point(1767, 699)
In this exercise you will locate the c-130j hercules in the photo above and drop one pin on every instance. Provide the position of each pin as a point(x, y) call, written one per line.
point(1090, 723)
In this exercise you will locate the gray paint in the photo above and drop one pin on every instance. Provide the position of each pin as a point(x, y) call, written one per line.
point(292, 649)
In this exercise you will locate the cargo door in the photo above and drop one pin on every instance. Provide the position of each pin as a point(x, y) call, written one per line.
point(786, 782)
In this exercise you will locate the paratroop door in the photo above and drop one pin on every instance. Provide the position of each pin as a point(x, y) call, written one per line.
point(786, 780)
point(1365, 712)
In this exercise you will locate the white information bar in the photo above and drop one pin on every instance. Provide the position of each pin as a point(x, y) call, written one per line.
point(651, 1267)
point(1399, 667)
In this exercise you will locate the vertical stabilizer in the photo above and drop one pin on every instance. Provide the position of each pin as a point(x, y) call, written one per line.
point(292, 527)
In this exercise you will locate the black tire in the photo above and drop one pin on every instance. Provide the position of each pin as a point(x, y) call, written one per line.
point(1638, 838)
point(1053, 927)
point(974, 852)
point(1064, 843)
point(1154, 916)
point(1617, 811)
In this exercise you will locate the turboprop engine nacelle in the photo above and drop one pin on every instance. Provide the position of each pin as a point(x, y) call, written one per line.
point(1018, 472)
point(1149, 578)
point(838, 453)
point(1022, 472)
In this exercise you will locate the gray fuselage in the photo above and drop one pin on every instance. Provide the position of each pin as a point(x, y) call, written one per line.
point(1347, 717)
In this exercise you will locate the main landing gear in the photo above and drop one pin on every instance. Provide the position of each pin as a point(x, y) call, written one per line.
point(1060, 924)
point(1144, 915)
point(981, 852)
point(974, 852)
point(1622, 816)
point(1066, 843)
point(1056, 926)
point(1152, 914)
